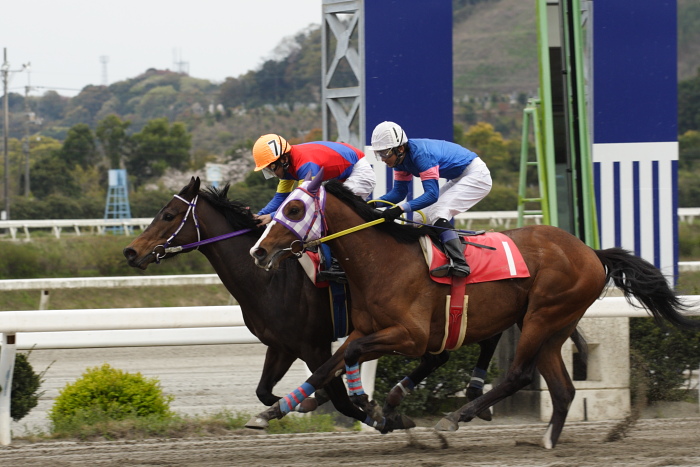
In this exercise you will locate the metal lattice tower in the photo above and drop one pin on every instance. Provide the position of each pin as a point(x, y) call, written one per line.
point(343, 71)
point(117, 205)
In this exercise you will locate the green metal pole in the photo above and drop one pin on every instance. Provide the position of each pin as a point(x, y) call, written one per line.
point(588, 192)
point(546, 110)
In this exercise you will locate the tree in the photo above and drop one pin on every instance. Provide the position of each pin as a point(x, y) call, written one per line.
point(689, 104)
point(52, 106)
point(91, 99)
point(79, 147)
point(667, 353)
point(501, 155)
point(51, 175)
point(155, 148)
point(111, 132)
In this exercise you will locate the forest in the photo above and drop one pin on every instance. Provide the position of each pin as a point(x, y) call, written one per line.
point(163, 126)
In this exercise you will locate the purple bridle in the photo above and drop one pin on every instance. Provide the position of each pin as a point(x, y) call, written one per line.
point(313, 225)
point(161, 250)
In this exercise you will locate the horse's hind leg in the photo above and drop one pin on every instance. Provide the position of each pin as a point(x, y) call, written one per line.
point(561, 388)
point(476, 383)
point(428, 363)
point(275, 367)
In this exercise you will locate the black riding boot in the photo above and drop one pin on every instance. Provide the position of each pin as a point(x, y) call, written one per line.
point(335, 273)
point(456, 265)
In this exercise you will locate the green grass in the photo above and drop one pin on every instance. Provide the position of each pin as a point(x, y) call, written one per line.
point(97, 427)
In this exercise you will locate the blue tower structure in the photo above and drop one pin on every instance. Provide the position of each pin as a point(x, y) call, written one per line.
point(117, 205)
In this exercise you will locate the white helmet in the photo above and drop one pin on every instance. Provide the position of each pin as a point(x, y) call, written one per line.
point(388, 135)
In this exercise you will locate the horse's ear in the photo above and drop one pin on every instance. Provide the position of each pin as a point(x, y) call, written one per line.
point(316, 182)
point(193, 187)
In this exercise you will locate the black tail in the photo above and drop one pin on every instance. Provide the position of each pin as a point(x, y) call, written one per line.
point(640, 279)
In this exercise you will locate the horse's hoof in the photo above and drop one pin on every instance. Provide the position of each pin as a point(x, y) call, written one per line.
point(404, 423)
point(447, 424)
point(257, 423)
point(485, 415)
point(369, 407)
point(307, 405)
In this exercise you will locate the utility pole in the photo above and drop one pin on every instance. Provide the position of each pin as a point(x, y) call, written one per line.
point(6, 125)
point(26, 145)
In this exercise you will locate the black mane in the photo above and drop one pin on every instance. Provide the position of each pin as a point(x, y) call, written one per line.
point(402, 233)
point(237, 214)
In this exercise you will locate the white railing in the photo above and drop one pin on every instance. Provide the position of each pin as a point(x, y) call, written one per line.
point(143, 327)
point(99, 226)
point(505, 219)
point(502, 219)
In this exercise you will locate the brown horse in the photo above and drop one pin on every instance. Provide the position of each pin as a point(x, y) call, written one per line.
point(285, 310)
point(400, 310)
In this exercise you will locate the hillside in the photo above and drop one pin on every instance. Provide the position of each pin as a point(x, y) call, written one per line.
point(495, 50)
point(495, 53)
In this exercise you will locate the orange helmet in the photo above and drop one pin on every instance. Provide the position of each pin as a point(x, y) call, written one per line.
point(268, 148)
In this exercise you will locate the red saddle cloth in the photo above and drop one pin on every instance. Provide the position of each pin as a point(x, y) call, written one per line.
point(505, 262)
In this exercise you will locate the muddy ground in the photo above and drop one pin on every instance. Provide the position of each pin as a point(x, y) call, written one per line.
point(210, 378)
point(658, 442)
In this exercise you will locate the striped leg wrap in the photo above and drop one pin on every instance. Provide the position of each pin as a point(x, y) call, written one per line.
point(354, 379)
point(369, 421)
point(477, 380)
point(294, 398)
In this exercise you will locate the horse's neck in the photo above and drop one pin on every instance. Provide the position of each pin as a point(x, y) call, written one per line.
point(363, 246)
point(232, 262)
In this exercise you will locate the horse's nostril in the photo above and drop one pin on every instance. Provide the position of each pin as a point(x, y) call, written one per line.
point(129, 253)
point(259, 253)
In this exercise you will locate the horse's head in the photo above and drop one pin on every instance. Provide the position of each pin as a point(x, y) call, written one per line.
point(168, 229)
point(297, 221)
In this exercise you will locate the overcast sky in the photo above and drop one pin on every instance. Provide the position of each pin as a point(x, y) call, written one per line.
point(64, 40)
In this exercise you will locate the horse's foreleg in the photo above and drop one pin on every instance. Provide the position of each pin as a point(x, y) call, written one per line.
point(275, 367)
point(320, 378)
point(335, 390)
point(393, 340)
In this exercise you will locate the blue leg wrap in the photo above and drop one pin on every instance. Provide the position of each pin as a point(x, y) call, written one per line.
point(294, 398)
point(352, 373)
point(478, 376)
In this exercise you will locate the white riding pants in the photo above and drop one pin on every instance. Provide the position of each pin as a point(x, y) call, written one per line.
point(459, 194)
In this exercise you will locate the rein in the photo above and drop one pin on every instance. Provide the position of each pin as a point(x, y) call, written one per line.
point(161, 250)
point(317, 242)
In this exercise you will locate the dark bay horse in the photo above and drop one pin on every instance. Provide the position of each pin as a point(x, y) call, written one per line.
point(284, 310)
point(400, 310)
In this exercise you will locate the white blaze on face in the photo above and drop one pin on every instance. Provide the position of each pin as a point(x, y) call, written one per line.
point(262, 237)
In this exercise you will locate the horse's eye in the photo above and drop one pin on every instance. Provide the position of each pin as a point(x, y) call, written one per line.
point(168, 217)
point(294, 210)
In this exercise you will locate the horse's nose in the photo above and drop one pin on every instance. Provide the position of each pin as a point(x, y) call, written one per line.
point(129, 253)
point(258, 253)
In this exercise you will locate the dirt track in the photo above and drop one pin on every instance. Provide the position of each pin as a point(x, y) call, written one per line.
point(652, 443)
point(210, 378)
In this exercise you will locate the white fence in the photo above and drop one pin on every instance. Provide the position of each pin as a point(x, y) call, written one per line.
point(99, 226)
point(501, 219)
point(507, 219)
point(140, 327)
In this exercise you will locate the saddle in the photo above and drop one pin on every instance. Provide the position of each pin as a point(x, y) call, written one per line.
point(491, 256)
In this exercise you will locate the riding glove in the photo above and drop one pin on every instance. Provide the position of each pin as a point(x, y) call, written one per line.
point(392, 213)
